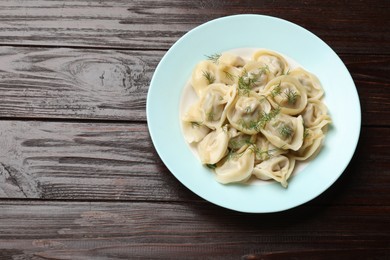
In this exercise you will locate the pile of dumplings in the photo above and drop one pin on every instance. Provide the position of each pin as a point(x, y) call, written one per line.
point(254, 117)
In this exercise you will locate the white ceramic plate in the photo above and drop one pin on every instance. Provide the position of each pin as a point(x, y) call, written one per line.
point(253, 31)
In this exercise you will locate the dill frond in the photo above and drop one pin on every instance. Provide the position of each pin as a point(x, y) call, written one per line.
point(211, 166)
point(209, 77)
point(214, 57)
point(228, 75)
point(285, 131)
point(276, 90)
point(195, 124)
point(291, 96)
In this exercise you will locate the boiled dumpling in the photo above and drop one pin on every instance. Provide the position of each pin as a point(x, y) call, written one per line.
point(310, 82)
point(264, 149)
point(315, 114)
point(214, 104)
point(285, 132)
point(236, 168)
point(228, 74)
point(286, 93)
point(246, 111)
point(240, 141)
point(193, 128)
point(278, 168)
point(311, 143)
point(214, 145)
point(231, 59)
point(275, 62)
point(256, 75)
point(204, 74)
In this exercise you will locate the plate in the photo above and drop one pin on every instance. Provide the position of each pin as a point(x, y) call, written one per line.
point(253, 31)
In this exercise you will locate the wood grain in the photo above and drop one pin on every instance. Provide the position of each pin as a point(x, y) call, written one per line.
point(65, 83)
point(78, 84)
point(157, 24)
point(85, 230)
point(107, 161)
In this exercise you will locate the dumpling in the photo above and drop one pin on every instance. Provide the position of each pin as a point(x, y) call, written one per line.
point(264, 149)
point(214, 104)
point(240, 141)
point(286, 93)
point(231, 59)
point(236, 168)
point(311, 143)
point(310, 82)
point(214, 145)
point(204, 74)
point(228, 74)
point(246, 111)
point(275, 62)
point(284, 131)
point(194, 131)
point(255, 75)
point(278, 168)
point(315, 114)
point(193, 128)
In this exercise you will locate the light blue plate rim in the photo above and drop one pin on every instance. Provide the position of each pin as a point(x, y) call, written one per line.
point(253, 31)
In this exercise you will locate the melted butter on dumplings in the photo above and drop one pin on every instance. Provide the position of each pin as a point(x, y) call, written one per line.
point(255, 116)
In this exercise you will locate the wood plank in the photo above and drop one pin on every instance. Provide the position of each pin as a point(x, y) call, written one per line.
point(358, 27)
point(99, 161)
point(76, 84)
point(85, 230)
point(112, 84)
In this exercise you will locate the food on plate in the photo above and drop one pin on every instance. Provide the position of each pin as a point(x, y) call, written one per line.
point(254, 117)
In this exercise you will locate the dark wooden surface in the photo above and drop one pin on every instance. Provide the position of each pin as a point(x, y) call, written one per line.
point(80, 178)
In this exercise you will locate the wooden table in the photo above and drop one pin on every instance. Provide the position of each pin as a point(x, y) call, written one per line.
point(80, 178)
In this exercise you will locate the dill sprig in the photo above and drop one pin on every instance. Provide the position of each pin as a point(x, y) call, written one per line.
point(210, 115)
point(285, 131)
point(211, 166)
point(244, 86)
point(276, 90)
point(291, 96)
point(261, 122)
point(237, 143)
point(266, 117)
point(195, 124)
point(214, 57)
point(306, 132)
point(228, 75)
point(209, 77)
point(266, 154)
point(248, 80)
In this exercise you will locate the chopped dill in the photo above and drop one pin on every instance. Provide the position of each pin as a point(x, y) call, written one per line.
point(266, 154)
point(261, 122)
point(248, 80)
point(291, 96)
point(211, 166)
point(276, 90)
point(214, 58)
point(266, 117)
point(305, 132)
point(237, 143)
point(228, 75)
point(285, 131)
point(209, 77)
point(210, 115)
point(195, 124)
point(244, 86)
point(248, 109)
